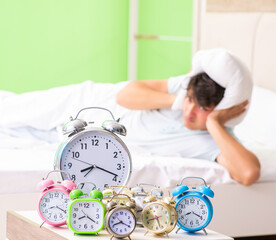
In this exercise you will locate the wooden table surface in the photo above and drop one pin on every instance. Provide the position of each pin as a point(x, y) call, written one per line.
point(26, 225)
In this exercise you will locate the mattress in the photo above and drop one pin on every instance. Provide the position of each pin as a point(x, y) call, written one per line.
point(24, 162)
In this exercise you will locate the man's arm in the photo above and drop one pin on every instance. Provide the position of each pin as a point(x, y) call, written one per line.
point(145, 95)
point(243, 165)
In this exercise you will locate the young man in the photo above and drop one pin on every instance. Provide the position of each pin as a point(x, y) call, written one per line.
point(197, 131)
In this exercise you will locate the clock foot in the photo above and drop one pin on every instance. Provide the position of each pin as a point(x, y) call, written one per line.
point(41, 224)
point(204, 231)
point(146, 233)
point(177, 230)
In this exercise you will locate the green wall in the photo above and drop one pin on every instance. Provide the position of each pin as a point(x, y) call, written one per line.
point(160, 59)
point(49, 43)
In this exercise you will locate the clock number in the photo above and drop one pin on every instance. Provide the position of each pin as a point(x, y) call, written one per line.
point(86, 205)
point(95, 142)
point(73, 177)
point(82, 185)
point(119, 166)
point(83, 146)
point(76, 154)
point(106, 145)
point(115, 178)
point(69, 165)
point(115, 155)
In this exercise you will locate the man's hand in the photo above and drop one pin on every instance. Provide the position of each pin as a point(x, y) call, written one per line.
point(222, 116)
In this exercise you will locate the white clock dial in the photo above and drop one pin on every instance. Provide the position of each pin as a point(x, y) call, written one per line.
point(98, 157)
point(53, 206)
point(192, 212)
point(122, 222)
point(86, 216)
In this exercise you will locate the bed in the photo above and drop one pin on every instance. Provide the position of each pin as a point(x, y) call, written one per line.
point(238, 211)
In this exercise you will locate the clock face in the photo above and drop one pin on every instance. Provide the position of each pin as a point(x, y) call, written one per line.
point(192, 212)
point(156, 217)
point(98, 157)
point(121, 222)
point(86, 216)
point(53, 205)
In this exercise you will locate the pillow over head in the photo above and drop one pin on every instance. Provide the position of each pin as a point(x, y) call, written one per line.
point(226, 70)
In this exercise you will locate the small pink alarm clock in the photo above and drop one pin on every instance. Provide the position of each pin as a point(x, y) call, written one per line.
point(52, 204)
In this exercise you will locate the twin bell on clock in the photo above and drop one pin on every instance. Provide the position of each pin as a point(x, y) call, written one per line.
point(94, 154)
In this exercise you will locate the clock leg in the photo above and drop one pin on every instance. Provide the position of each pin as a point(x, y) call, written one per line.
point(41, 224)
point(205, 232)
point(129, 238)
point(177, 230)
point(146, 233)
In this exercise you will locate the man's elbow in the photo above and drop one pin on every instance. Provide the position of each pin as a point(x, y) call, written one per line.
point(251, 175)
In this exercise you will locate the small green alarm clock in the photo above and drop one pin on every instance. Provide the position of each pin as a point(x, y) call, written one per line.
point(85, 213)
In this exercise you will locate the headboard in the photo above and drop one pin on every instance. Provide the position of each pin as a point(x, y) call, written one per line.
point(245, 27)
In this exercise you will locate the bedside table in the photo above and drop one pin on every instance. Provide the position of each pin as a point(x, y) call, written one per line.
point(26, 225)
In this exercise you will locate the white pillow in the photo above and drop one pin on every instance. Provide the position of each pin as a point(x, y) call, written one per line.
point(259, 125)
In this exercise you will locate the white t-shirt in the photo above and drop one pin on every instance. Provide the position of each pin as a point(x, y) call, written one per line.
point(162, 132)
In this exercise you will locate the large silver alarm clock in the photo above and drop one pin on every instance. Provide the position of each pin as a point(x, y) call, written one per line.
point(94, 154)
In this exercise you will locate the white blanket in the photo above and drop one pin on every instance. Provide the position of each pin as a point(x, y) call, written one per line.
point(49, 109)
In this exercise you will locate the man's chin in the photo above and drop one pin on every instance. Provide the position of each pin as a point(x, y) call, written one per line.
point(193, 126)
point(190, 126)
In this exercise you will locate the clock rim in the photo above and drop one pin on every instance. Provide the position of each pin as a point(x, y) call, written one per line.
point(209, 207)
point(108, 216)
point(168, 227)
point(52, 188)
point(69, 139)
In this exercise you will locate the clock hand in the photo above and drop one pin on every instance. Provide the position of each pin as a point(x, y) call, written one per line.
point(82, 161)
point(106, 171)
point(89, 168)
point(188, 213)
point(117, 223)
point(158, 222)
point(82, 217)
point(90, 218)
point(95, 166)
point(61, 209)
point(156, 217)
point(196, 214)
point(125, 224)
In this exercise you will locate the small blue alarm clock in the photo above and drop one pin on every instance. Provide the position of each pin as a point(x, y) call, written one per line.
point(194, 209)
